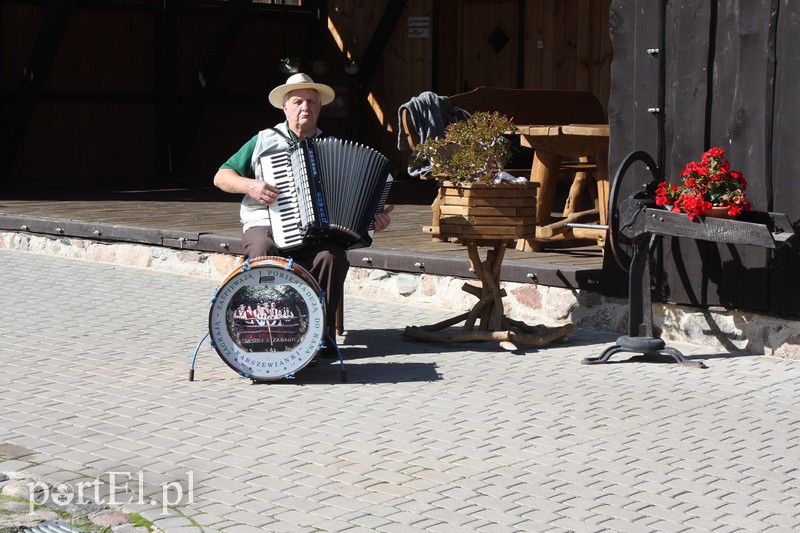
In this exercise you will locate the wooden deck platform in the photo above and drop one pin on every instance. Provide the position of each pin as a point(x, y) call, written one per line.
point(208, 220)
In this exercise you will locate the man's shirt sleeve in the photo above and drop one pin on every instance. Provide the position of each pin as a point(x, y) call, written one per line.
point(240, 162)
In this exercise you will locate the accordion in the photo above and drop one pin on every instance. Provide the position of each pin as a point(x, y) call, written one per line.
point(330, 190)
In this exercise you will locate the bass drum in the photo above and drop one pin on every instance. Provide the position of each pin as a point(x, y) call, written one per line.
point(267, 318)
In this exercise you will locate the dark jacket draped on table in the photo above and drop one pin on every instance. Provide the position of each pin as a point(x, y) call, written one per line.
point(430, 115)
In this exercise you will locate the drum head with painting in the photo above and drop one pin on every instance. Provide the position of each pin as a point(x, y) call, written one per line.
point(267, 322)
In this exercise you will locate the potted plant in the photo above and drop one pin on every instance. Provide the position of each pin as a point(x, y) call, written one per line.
point(471, 151)
point(290, 65)
point(708, 188)
point(474, 202)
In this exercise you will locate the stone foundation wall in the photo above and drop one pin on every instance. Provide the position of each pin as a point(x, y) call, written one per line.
point(721, 330)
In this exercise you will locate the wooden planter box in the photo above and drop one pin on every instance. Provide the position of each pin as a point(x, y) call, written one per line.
point(478, 211)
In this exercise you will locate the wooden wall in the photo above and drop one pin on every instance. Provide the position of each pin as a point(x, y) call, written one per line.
point(730, 80)
point(100, 88)
point(114, 108)
point(575, 52)
point(576, 47)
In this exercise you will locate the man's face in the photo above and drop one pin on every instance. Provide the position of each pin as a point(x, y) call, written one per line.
point(302, 109)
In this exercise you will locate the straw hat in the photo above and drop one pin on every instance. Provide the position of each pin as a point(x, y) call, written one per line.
point(300, 81)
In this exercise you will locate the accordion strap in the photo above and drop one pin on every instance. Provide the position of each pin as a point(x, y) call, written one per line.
point(279, 132)
point(291, 140)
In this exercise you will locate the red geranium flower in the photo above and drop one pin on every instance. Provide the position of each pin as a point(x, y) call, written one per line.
point(705, 184)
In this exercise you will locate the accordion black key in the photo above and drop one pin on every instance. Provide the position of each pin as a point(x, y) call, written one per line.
point(330, 190)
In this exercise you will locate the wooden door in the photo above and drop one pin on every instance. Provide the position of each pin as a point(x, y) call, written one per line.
point(488, 39)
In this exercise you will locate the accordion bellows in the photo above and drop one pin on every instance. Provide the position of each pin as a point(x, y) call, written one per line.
point(330, 190)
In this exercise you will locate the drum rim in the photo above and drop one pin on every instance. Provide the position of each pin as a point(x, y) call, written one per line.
point(275, 262)
point(296, 267)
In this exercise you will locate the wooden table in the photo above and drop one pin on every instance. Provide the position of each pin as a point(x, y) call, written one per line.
point(552, 145)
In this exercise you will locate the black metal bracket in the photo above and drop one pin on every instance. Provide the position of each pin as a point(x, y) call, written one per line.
point(649, 346)
point(640, 338)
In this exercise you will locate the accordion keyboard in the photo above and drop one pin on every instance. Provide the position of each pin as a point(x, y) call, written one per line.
point(286, 226)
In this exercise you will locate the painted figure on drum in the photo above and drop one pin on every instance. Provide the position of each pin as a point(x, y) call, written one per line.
point(301, 101)
point(279, 321)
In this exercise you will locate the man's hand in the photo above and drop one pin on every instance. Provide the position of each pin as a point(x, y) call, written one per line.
point(382, 219)
point(262, 192)
point(230, 181)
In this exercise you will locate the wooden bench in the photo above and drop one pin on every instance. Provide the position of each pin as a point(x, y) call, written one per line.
point(541, 108)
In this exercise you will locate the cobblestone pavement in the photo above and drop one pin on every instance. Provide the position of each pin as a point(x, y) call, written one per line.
point(94, 393)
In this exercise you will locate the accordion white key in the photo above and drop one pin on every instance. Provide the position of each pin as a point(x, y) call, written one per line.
point(330, 190)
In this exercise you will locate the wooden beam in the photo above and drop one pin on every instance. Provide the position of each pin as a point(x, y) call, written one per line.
point(29, 88)
point(380, 38)
point(205, 81)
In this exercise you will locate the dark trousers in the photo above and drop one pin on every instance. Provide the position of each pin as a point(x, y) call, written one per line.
point(326, 262)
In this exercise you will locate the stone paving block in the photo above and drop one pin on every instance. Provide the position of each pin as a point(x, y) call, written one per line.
point(569, 524)
point(208, 519)
point(667, 525)
point(402, 528)
point(225, 497)
point(495, 528)
point(294, 517)
point(376, 499)
point(249, 518)
point(310, 505)
point(782, 522)
point(622, 526)
point(368, 522)
point(177, 523)
point(779, 504)
point(232, 527)
point(212, 508)
point(337, 514)
point(312, 494)
point(666, 513)
point(538, 519)
point(506, 518)
point(159, 514)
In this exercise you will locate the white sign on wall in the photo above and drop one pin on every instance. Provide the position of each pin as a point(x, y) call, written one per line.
point(419, 27)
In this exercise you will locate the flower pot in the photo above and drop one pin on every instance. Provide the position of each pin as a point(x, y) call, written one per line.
point(480, 211)
point(718, 211)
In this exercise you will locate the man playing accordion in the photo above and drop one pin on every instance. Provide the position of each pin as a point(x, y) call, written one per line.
point(301, 100)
